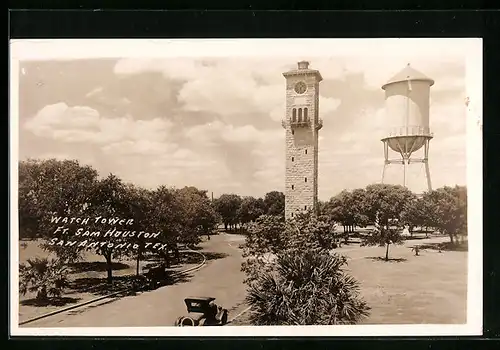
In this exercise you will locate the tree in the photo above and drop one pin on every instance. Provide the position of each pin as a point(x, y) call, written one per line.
point(383, 235)
point(265, 238)
point(166, 217)
point(110, 199)
point(270, 235)
point(322, 208)
point(414, 214)
point(227, 206)
point(250, 209)
point(199, 216)
point(50, 189)
point(337, 210)
point(140, 208)
point(292, 277)
point(47, 278)
point(306, 287)
point(274, 202)
point(307, 231)
point(386, 202)
point(349, 209)
point(449, 210)
point(359, 207)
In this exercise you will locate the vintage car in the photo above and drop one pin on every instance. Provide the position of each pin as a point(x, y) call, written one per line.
point(156, 276)
point(202, 311)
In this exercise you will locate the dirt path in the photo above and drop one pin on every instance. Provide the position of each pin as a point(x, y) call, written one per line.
point(220, 278)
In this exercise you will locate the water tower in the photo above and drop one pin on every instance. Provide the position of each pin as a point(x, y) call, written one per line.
point(407, 111)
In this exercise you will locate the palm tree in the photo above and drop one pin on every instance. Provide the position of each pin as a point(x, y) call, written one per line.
point(47, 278)
point(306, 287)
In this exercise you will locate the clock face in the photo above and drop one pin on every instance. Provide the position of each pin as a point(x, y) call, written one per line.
point(300, 87)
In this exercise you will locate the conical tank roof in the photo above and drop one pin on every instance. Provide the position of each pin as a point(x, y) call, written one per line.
point(408, 73)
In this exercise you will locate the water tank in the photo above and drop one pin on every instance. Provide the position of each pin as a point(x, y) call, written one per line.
point(407, 110)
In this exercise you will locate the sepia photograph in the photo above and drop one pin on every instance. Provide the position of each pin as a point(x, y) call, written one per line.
point(245, 187)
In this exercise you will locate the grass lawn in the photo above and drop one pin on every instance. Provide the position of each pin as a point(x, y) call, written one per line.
point(427, 289)
point(88, 280)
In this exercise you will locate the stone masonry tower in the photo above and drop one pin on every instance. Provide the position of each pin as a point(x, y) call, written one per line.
point(302, 125)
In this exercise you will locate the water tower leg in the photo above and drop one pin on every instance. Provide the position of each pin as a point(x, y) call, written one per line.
point(426, 162)
point(428, 175)
point(404, 172)
point(383, 172)
point(386, 159)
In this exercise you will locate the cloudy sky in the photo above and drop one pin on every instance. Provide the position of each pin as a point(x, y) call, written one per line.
point(214, 121)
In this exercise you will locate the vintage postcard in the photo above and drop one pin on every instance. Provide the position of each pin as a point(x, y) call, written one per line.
point(312, 187)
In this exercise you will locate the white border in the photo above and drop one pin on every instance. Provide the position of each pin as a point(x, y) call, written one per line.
point(66, 49)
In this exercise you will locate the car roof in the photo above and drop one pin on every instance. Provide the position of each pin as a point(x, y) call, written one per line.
point(200, 298)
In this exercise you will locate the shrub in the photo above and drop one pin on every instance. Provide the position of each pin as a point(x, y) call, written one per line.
point(292, 277)
point(306, 287)
point(47, 278)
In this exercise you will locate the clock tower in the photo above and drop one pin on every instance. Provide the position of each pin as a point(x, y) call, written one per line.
point(301, 125)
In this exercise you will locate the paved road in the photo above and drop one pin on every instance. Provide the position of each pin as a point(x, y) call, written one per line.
point(220, 278)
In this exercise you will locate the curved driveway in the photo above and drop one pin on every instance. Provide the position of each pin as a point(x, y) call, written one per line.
point(220, 278)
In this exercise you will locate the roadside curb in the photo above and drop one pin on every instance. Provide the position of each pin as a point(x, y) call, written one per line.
point(55, 312)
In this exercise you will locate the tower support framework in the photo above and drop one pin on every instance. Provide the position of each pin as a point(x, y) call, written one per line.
point(404, 146)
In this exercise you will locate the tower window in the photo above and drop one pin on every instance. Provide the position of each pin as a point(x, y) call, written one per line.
point(305, 207)
point(292, 187)
point(293, 159)
point(300, 115)
point(294, 115)
point(305, 114)
point(292, 215)
point(306, 151)
point(305, 179)
point(293, 132)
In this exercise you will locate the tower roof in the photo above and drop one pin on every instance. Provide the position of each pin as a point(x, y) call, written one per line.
point(408, 73)
point(303, 68)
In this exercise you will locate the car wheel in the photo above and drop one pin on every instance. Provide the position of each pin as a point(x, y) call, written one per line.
point(223, 319)
point(178, 321)
point(187, 322)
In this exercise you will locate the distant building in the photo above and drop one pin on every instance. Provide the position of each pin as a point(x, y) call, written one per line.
point(302, 125)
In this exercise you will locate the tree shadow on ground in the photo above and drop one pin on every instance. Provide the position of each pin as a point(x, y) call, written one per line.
point(50, 302)
point(129, 284)
point(357, 234)
point(196, 259)
point(415, 238)
point(446, 246)
point(196, 247)
point(379, 258)
point(237, 231)
point(172, 280)
point(100, 285)
point(96, 266)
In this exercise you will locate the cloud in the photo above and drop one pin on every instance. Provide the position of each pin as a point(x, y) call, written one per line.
point(79, 124)
point(82, 158)
point(215, 123)
point(448, 118)
point(377, 70)
point(354, 158)
point(228, 87)
point(210, 134)
point(139, 147)
point(94, 91)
